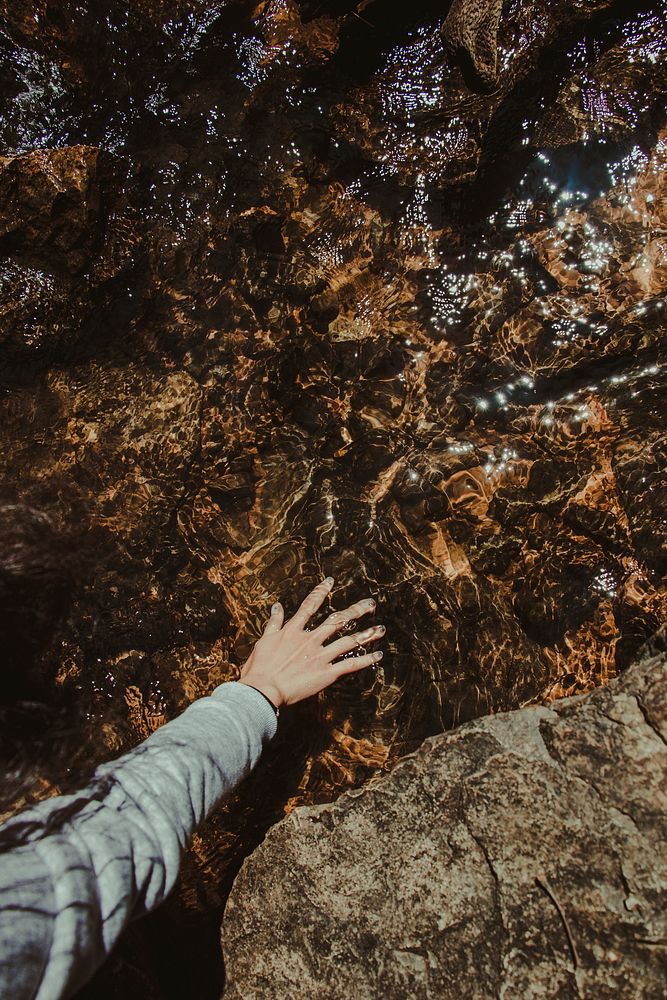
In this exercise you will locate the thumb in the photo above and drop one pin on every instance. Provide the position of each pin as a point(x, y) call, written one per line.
point(276, 620)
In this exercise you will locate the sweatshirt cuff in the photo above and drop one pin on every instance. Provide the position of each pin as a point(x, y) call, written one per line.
point(252, 703)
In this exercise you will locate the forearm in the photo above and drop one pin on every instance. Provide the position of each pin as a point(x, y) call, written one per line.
point(119, 856)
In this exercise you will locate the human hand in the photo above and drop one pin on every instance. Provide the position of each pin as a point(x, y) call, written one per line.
point(288, 663)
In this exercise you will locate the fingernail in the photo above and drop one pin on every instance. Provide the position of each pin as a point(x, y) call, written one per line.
point(381, 629)
point(275, 607)
point(378, 655)
point(329, 581)
point(370, 603)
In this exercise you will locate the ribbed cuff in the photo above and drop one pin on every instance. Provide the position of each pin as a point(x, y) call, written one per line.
point(253, 702)
point(266, 698)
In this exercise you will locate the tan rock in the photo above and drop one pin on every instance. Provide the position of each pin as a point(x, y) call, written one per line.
point(519, 856)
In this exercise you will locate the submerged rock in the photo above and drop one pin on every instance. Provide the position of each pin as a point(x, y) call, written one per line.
point(521, 855)
point(63, 242)
point(50, 205)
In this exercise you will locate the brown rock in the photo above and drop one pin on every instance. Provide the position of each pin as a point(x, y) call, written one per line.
point(50, 204)
point(472, 25)
point(64, 239)
point(521, 855)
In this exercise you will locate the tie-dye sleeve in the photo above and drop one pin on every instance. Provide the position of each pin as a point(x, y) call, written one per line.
point(67, 894)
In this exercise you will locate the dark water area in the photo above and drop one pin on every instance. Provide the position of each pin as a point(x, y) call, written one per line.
point(286, 291)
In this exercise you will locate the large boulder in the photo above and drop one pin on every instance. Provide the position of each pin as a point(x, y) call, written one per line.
point(522, 855)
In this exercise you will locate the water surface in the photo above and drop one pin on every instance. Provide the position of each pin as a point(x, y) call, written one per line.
point(285, 294)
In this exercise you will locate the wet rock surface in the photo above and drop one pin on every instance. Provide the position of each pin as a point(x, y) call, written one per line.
point(64, 253)
point(286, 290)
point(520, 855)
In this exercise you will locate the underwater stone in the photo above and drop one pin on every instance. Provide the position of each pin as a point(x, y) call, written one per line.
point(50, 205)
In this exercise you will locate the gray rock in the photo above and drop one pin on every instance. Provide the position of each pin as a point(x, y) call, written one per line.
point(522, 855)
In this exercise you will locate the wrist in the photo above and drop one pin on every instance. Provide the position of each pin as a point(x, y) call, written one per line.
point(270, 693)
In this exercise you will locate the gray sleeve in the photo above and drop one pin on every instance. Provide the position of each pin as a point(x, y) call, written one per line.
point(68, 893)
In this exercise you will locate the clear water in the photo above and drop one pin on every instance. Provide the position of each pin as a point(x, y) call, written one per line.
point(322, 308)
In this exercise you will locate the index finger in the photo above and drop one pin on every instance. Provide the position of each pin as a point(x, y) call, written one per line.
point(311, 603)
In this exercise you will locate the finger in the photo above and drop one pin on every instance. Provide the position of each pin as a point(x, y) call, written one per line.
point(311, 603)
point(354, 663)
point(275, 622)
point(337, 619)
point(348, 642)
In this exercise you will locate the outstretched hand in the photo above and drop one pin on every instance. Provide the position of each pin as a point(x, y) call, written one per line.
point(288, 663)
